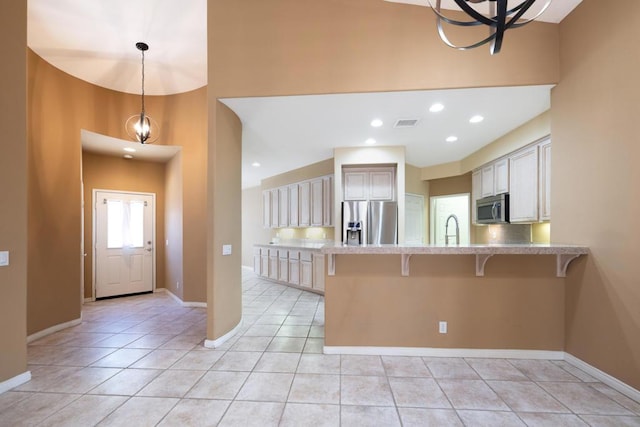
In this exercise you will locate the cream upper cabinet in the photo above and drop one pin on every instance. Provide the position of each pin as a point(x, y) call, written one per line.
point(381, 185)
point(266, 209)
point(283, 202)
point(369, 183)
point(545, 181)
point(476, 193)
point(327, 201)
point(523, 182)
point(275, 208)
point(302, 204)
point(487, 180)
point(355, 185)
point(501, 176)
point(304, 197)
point(293, 205)
point(316, 203)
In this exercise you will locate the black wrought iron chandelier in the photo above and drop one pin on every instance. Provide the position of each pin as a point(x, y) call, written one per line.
point(141, 127)
point(500, 19)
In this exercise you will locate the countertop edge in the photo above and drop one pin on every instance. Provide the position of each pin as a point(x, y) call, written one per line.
point(458, 250)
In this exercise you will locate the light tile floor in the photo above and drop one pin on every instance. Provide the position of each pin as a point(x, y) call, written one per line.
point(139, 361)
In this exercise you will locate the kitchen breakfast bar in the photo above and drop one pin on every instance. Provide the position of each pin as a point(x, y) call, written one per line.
point(468, 300)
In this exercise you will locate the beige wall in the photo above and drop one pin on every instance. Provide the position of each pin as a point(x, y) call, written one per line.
point(59, 107)
point(595, 183)
point(13, 192)
point(224, 179)
point(519, 304)
point(341, 46)
point(116, 173)
point(315, 170)
point(173, 223)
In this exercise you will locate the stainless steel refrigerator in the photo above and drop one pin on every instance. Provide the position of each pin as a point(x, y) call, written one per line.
point(378, 220)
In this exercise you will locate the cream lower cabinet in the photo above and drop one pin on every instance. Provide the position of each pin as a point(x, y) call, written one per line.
point(264, 262)
point(257, 261)
point(306, 269)
point(283, 265)
point(273, 264)
point(301, 268)
point(318, 272)
point(294, 267)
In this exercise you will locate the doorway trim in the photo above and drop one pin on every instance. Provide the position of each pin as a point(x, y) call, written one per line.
point(94, 216)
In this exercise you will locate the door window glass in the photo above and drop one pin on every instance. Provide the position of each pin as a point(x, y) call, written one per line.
point(115, 221)
point(125, 224)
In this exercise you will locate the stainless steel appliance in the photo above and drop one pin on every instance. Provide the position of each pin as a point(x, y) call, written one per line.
point(354, 233)
point(378, 222)
point(493, 209)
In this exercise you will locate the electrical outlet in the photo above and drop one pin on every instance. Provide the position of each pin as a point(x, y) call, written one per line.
point(4, 258)
point(177, 285)
point(226, 250)
point(442, 327)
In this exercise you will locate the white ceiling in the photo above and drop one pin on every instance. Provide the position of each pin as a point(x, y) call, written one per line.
point(95, 41)
point(284, 133)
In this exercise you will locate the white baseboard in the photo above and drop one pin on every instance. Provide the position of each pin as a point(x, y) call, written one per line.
point(246, 267)
point(15, 381)
point(53, 329)
point(179, 301)
point(446, 352)
point(612, 382)
point(218, 342)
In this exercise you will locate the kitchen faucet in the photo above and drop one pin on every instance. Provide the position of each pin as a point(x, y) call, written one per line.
point(446, 230)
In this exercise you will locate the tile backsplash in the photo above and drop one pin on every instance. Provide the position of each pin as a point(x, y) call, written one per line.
point(504, 233)
point(513, 233)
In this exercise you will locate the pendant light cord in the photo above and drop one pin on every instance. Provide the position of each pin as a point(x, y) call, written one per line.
point(142, 81)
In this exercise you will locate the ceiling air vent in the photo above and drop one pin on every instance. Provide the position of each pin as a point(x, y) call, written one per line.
point(406, 123)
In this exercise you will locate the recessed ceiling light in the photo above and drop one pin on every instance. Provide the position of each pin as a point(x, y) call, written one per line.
point(128, 156)
point(452, 138)
point(376, 123)
point(436, 108)
point(476, 119)
point(370, 141)
point(130, 150)
point(255, 164)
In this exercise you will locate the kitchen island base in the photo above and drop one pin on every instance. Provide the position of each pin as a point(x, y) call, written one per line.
point(518, 306)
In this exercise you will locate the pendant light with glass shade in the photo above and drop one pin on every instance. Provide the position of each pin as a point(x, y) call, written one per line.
point(141, 127)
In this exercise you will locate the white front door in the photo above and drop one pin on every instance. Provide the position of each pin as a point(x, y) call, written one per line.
point(123, 242)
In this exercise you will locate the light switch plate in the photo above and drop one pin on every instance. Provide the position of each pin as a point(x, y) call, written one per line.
point(4, 258)
point(226, 249)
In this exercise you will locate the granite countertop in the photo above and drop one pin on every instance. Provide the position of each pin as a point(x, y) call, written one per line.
point(293, 245)
point(468, 249)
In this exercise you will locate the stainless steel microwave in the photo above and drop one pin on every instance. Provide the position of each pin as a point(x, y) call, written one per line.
point(493, 210)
